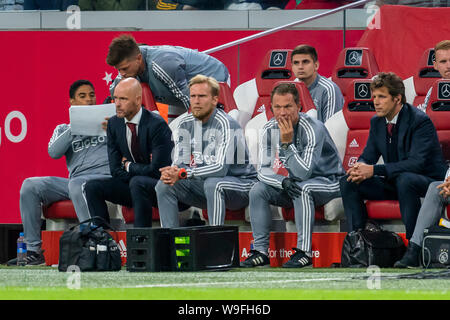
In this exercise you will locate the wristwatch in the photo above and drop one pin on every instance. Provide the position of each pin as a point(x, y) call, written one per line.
point(124, 162)
point(182, 174)
point(285, 146)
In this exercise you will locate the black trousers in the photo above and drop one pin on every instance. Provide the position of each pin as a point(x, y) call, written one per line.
point(139, 193)
point(407, 188)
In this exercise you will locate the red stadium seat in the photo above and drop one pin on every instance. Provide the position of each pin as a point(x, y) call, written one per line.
point(253, 97)
point(128, 214)
point(439, 113)
point(357, 111)
point(355, 63)
point(425, 76)
point(226, 98)
point(60, 210)
point(275, 66)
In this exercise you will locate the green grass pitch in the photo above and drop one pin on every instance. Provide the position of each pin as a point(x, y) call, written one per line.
point(46, 283)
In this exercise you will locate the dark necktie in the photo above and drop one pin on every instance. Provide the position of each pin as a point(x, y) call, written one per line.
point(390, 128)
point(135, 150)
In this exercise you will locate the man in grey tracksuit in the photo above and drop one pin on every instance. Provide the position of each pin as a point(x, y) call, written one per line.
point(86, 158)
point(166, 69)
point(432, 209)
point(326, 95)
point(441, 63)
point(299, 167)
point(210, 166)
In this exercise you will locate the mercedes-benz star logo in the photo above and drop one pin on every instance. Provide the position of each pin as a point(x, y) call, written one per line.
point(445, 90)
point(363, 90)
point(353, 57)
point(278, 59)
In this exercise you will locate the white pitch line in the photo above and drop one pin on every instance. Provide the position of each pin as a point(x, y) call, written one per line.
point(200, 284)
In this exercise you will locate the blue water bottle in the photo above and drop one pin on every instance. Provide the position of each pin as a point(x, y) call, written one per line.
point(21, 251)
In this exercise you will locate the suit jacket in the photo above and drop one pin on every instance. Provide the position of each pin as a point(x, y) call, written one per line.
point(155, 141)
point(418, 146)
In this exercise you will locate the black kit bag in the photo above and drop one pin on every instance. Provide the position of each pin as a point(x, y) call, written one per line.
point(436, 247)
point(91, 249)
point(371, 246)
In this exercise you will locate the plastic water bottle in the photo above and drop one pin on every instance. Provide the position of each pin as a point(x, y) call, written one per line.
point(21, 251)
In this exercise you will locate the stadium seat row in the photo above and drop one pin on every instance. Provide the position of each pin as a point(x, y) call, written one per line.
point(349, 128)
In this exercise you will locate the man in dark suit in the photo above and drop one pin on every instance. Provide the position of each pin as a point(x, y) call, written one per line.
point(407, 140)
point(139, 144)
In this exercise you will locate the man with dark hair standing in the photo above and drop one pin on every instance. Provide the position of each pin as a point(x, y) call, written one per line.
point(326, 95)
point(139, 144)
point(86, 159)
point(166, 69)
point(308, 154)
point(407, 140)
point(210, 167)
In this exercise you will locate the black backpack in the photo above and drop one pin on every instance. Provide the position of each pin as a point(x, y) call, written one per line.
point(371, 246)
point(91, 249)
point(436, 247)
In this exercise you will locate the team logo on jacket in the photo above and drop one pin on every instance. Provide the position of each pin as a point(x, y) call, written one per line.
point(352, 161)
point(443, 256)
point(197, 158)
point(78, 145)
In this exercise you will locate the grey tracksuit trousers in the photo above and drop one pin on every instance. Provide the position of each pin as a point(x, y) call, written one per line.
point(213, 194)
point(430, 212)
point(42, 191)
point(315, 192)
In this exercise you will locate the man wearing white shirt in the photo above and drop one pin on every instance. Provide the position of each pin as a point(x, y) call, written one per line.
point(411, 154)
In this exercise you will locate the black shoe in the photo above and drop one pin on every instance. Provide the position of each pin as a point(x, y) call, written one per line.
point(411, 258)
point(33, 259)
point(299, 259)
point(256, 259)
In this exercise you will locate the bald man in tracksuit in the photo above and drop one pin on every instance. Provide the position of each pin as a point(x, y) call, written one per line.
point(303, 148)
point(210, 166)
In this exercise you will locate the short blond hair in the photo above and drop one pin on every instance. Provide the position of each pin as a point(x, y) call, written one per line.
point(213, 84)
point(443, 45)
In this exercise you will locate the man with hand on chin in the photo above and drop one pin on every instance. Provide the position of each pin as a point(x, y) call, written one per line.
point(406, 139)
point(308, 171)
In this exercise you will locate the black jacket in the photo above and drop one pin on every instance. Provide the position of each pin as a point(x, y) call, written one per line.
point(418, 146)
point(155, 141)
